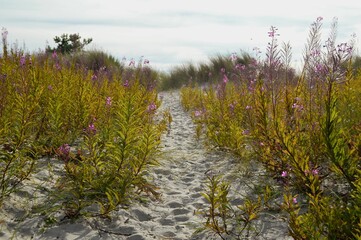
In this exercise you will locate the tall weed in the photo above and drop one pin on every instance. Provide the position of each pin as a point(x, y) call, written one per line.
point(305, 131)
point(100, 123)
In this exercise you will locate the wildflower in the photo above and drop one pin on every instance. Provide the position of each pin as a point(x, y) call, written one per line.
point(231, 107)
point(225, 78)
point(240, 67)
point(319, 68)
point(126, 83)
point(94, 77)
point(64, 149)
point(344, 48)
point(294, 200)
point(108, 102)
point(223, 70)
point(50, 88)
point(248, 107)
point(315, 53)
point(272, 32)
point(131, 63)
point(57, 66)
point(234, 57)
point(284, 174)
point(54, 55)
point(319, 19)
point(22, 60)
point(297, 106)
point(91, 129)
point(197, 113)
point(64, 152)
point(246, 132)
point(152, 107)
point(315, 172)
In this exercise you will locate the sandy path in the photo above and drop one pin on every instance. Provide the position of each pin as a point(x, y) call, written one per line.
point(181, 178)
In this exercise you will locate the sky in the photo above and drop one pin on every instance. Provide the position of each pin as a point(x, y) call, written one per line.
point(169, 33)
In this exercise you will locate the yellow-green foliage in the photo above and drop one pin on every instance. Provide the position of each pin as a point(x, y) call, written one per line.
point(101, 127)
point(306, 132)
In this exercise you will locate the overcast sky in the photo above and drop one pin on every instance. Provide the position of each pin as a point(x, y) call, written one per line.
point(170, 32)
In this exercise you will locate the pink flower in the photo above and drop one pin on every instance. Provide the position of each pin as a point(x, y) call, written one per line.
point(22, 60)
point(315, 172)
point(294, 200)
point(132, 62)
point(54, 55)
point(126, 84)
point(152, 107)
point(272, 32)
point(297, 106)
point(232, 106)
point(64, 152)
point(197, 113)
point(225, 78)
point(108, 101)
point(240, 67)
point(91, 129)
point(284, 174)
point(57, 66)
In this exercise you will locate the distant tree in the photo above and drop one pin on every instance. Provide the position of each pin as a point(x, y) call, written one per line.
point(69, 43)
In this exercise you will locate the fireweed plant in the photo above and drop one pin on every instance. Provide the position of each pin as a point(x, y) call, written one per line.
point(304, 130)
point(104, 129)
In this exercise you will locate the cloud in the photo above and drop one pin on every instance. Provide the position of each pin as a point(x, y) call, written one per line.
point(171, 32)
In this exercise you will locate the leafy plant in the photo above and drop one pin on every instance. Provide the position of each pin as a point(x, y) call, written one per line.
point(305, 131)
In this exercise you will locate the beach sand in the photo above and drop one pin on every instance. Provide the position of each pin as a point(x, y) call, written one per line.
point(181, 178)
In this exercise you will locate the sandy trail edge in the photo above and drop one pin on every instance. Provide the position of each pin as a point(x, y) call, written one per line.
point(181, 178)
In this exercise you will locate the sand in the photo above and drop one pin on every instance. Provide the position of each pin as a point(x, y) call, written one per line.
point(181, 178)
